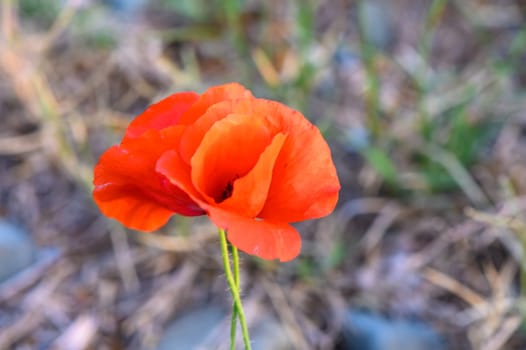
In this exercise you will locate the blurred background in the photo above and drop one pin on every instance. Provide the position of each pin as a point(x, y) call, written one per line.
point(422, 102)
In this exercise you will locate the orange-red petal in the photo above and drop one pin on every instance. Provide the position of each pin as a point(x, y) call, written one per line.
point(229, 150)
point(162, 114)
point(193, 134)
point(135, 211)
point(262, 238)
point(265, 239)
point(250, 191)
point(212, 96)
point(128, 189)
point(172, 166)
point(305, 184)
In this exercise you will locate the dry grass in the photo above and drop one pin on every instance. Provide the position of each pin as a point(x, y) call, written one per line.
point(425, 227)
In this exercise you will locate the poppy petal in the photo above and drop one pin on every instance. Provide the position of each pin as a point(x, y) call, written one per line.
point(136, 212)
point(250, 191)
point(212, 96)
point(304, 183)
point(128, 189)
point(262, 238)
point(229, 150)
point(161, 114)
point(267, 240)
point(193, 134)
point(172, 166)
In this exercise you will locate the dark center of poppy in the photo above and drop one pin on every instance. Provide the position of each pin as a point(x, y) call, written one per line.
point(227, 191)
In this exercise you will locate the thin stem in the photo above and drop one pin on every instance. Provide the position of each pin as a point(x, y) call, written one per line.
point(234, 290)
point(235, 262)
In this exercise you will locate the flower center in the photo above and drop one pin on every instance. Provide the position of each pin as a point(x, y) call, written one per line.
point(227, 191)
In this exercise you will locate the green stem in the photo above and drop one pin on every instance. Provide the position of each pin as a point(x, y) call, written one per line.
point(235, 262)
point(234, 290)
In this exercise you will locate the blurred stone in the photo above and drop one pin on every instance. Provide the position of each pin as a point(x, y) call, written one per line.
point(125, 7)
point(190, 330)
point(357, 138)
point(345, 59)
point(365, 331)
point(194, 331)
point(270, 334)
point(376, 25)
point(16, 250)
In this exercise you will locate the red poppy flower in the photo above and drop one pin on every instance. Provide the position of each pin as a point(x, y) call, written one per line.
point(252, 165)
